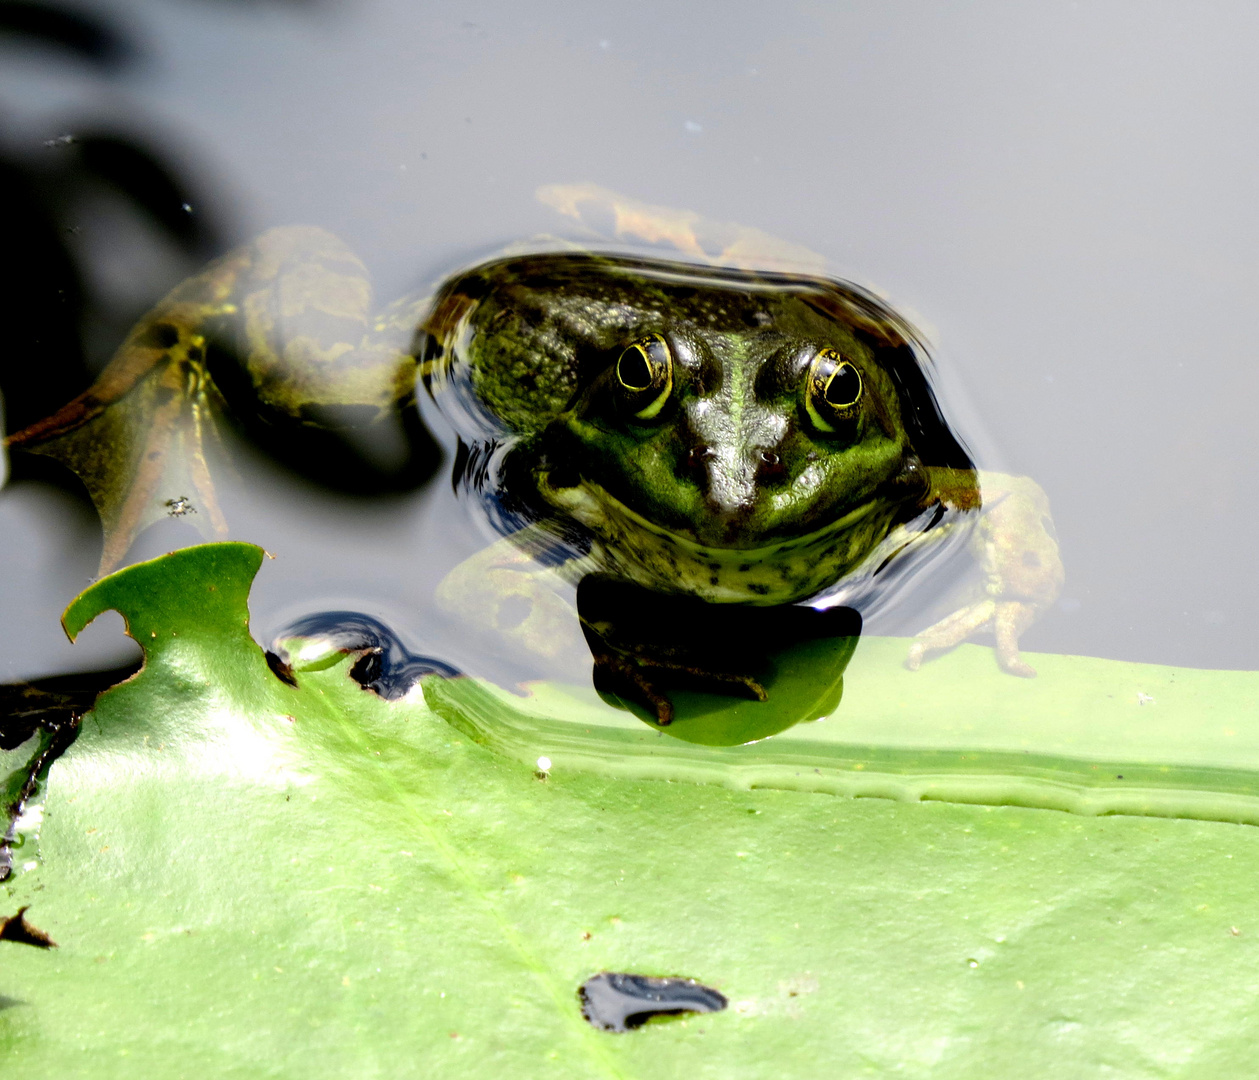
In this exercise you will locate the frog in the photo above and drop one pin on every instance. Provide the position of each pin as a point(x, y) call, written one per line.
point(721, 426)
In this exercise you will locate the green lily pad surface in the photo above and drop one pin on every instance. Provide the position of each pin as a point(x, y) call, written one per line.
point(251, 879)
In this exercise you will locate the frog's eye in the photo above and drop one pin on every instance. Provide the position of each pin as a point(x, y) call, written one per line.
point(645, 375)
point(834, 387)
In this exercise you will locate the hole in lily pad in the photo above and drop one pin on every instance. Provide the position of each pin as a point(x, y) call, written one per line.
point(617, 1001)
point(383, 665)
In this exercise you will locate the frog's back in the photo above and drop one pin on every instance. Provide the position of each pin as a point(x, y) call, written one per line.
point(525, 334)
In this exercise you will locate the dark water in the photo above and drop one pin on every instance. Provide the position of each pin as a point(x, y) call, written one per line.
point(1060, 198)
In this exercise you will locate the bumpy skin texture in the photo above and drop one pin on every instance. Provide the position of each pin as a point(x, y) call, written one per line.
point(721, 479)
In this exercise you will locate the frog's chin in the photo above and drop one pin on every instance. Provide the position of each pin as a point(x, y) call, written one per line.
point(783, 571)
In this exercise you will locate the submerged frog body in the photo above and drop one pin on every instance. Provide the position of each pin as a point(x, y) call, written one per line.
point(732, 435)
point(738, 436)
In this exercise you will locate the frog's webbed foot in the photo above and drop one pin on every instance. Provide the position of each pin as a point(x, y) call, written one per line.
point(141, 439)
point(1017, 551)
point(631, 676)
point(646, 644)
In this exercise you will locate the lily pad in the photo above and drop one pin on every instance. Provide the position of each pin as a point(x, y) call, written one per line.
point(246, 878)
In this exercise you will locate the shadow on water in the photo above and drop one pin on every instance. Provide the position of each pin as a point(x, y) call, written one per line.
point(89, 37)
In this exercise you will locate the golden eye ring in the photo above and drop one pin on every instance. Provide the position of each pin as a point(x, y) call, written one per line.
point(644, 372)
point(834, 386)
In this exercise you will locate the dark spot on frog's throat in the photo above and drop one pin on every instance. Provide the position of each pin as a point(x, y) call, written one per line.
point(617, 1001)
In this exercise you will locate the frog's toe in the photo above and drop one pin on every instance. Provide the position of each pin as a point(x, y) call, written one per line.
point(616, 675)
point(1015, 665)
point(949, 632)
point(1010, 620)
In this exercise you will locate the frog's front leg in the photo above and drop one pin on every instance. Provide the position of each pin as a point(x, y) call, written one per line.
point(1017, 552)
point(502, 589)
point(293, 308)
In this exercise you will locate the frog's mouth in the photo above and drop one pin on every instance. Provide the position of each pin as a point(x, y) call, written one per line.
point(782, 572)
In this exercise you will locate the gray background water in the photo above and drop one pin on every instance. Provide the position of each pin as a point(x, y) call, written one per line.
point(1062, 192)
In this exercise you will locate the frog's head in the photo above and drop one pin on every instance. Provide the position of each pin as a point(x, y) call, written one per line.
point(734, 437)
point(712, 410)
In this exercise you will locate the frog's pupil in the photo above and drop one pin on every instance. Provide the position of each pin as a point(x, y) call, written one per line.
point(844, 387)
point(633, 369)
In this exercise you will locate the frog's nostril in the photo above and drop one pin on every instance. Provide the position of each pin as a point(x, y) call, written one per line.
point(770, 467)
point(697, 458)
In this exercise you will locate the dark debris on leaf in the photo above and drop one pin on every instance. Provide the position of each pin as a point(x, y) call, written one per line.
point(50, 709)
point(51, 704)
point(618, 1001)
point(15, 928)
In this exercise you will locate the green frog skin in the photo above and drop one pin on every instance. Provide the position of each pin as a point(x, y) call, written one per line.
point(739, 436)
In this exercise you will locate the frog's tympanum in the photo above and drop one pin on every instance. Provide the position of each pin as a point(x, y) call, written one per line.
point(724, 435)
